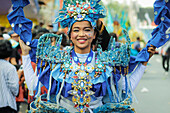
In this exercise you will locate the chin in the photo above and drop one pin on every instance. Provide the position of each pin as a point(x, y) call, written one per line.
point(82, 47)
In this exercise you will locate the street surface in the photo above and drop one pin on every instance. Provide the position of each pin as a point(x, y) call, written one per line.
point(153, 91)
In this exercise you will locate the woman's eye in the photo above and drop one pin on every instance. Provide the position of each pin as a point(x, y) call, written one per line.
point(75, 30)
point(87, 30)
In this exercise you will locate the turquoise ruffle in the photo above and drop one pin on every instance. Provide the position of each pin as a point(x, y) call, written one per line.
point(59, 76)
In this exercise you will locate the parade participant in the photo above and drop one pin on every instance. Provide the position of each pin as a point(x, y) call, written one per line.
point(15, 58)
point(78, 79)
point(82, 35)
point(165, 52)
point(137, 44)
point(8, 78)
point(82, 79)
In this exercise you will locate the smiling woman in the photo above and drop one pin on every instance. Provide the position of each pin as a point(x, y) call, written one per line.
point(82, 35)
point(79, 79)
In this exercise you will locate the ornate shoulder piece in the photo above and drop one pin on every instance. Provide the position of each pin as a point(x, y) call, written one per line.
point(48, 49)
point(118, 54)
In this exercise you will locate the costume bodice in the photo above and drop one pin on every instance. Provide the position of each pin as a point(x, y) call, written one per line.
point(63, 74)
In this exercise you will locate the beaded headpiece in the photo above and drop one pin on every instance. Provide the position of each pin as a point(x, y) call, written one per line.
point(79, 10)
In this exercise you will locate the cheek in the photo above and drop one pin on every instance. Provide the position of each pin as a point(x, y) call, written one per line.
point(73, 35)
point(91, 35)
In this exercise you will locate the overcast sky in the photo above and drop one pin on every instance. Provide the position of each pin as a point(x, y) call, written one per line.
point(143, 3)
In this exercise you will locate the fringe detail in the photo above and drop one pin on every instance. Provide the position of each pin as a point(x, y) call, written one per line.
point(49, 88)
point(115, 95)
point(120, 86)
point(58, 95)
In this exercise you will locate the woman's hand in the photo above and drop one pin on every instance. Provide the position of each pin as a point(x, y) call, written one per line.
point(151, 51)
point(25, 49)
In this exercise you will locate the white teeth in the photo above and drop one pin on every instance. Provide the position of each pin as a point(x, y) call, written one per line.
point(82, 40)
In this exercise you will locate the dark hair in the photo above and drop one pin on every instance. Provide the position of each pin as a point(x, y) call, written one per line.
point(5, 49)
point(64, 40)
point(2, 29)
point(38, 35)
point(97, 36)
point(138, 38)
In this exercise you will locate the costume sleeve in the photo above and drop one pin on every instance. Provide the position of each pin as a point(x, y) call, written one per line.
point(33, 50)
point(30, 78)
point(161, 34)
point(13, 81)
point(19, 23)
point(135, 76)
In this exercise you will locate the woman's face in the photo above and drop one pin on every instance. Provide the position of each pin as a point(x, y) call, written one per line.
point(82, 35)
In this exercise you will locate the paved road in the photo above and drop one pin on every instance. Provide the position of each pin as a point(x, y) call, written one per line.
point(153, 91)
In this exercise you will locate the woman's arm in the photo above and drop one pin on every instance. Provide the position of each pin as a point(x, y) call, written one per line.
point(139, 71)
point(30, 78)
point(136, 76)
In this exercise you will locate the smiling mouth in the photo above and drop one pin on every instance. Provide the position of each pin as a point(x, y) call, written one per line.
point(81, 40)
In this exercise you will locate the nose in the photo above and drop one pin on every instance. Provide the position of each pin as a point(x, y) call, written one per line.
point(81, 33)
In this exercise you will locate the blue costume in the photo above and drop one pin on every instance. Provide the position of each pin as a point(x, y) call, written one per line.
point(72, 82)
point(61, 72)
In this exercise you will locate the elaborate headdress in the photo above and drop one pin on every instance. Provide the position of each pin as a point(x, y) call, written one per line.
point(78, 10)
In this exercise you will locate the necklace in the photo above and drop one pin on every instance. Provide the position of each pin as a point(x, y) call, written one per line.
point(81, 86)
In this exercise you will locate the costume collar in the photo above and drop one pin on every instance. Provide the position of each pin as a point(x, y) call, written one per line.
point(88, 59)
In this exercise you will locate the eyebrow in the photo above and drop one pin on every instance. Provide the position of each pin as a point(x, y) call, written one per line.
point(83, 28)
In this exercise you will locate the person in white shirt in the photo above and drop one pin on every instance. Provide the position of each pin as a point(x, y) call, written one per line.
point(9, 86)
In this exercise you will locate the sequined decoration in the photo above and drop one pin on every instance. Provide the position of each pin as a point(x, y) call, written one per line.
point(81, 87)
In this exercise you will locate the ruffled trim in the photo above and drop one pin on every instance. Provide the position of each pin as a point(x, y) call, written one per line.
point(161, 9)
point(20, 3)
point(33, 50)
point(21, 25)
point(161, 34)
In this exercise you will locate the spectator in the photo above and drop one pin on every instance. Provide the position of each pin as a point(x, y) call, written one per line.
point(8, 78)
point(49, 28)
point(137, 44)
point(165, 52)
point(14, 36)
point(20, 97)
point(15, 56)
